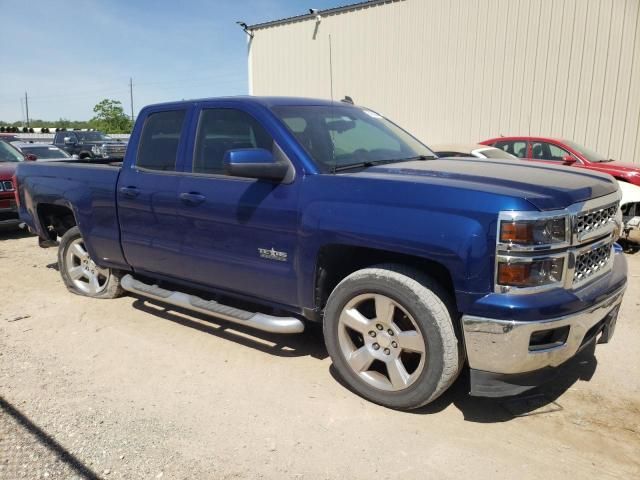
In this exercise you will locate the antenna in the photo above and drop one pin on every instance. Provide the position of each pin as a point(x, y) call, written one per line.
point(330, 69)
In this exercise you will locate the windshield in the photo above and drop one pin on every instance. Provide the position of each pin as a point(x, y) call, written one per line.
point(92, 136)
point(9, 154)
point(495, 153)
point(590, 155)
point(45, 152)
point(339, 136)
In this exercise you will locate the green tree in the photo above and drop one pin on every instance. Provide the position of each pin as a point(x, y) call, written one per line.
point(110, 117)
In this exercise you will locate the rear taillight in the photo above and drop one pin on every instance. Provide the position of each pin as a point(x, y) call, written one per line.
point(14, 180)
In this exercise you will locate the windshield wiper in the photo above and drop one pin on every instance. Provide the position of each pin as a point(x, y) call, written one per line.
point(373, 163)
point(419, 157)
point(351, 166)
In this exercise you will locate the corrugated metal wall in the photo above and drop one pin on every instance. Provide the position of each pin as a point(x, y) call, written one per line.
point(466, 70)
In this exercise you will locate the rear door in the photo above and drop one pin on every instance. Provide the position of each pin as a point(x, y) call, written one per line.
point(237, 234)
point(147, 193)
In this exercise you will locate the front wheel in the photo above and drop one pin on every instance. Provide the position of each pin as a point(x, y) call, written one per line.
point(391, 336)
point(80, 273)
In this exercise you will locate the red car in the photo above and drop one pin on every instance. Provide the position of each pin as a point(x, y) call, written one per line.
point(9, 158)
point(553, 150)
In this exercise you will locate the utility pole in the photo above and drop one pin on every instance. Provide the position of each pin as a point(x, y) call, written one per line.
point(26, 103)
point(131, 96)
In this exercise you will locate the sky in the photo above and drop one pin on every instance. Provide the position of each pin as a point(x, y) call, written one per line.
point(70, 54)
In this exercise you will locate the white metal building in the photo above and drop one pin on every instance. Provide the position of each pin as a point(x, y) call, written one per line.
point(466, 70)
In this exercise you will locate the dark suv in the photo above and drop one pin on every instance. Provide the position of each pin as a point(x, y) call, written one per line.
point(88, 145)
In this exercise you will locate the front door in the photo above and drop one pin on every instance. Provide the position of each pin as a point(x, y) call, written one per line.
point(239, 234)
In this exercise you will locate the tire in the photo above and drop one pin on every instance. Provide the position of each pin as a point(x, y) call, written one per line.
point(388, 313)
point(80, 273)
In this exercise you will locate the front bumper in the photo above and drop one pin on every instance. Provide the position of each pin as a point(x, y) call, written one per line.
point(9, 216)
point(504, 358)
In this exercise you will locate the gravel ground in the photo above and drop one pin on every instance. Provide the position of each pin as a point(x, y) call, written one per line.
point(128, 389)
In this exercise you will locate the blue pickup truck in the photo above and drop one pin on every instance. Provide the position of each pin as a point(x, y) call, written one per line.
point(318, 211)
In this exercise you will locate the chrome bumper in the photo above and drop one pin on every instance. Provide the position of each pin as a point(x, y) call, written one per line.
point(503, 346)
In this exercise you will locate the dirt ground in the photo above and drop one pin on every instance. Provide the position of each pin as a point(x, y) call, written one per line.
point(127, 389)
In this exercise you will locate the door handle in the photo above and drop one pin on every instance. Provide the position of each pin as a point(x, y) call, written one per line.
point(131, 192)
point(192, 198)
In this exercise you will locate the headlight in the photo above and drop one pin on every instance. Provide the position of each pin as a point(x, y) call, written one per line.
point(525, 273)
point(96, 150)
point(549, 231)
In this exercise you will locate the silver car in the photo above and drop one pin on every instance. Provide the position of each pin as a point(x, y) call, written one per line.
point(41, 152)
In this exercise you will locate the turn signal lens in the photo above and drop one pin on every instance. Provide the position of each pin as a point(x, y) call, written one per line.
point(516, 232)
point(534, 232)
point(531, 274)
point(514, 274)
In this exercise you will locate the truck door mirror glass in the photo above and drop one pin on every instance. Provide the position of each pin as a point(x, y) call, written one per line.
point(568, 159)
point(254, 163)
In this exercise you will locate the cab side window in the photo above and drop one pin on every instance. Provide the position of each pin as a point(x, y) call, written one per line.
point(224, 129)
point(159, 141)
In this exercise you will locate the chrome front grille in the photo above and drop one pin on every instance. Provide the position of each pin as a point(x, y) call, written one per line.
point(593, 220)
point(592, 262)
point(114, 149)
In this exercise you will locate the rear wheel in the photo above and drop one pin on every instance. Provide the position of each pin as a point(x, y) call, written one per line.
point(391, 337)
point(80, 273)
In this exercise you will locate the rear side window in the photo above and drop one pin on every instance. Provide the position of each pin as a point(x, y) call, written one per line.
point(516, 148)
point(159, 141)
point(62, 135)
point(223, 129)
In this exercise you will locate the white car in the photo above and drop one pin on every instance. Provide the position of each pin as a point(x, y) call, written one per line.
point(630, 205)
point(471, 150)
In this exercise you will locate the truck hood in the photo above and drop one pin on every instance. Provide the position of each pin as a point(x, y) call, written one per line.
point(547, 187)
point(7, 169)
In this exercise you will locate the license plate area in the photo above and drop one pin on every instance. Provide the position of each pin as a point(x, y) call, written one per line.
point(8, 204)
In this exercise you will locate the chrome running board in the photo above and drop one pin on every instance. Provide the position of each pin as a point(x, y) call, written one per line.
point(259, 321)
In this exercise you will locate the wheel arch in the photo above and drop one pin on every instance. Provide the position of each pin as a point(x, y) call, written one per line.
point(336, 261)
point(56, 219)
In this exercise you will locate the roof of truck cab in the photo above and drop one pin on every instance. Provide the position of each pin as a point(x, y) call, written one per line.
point(264, 101)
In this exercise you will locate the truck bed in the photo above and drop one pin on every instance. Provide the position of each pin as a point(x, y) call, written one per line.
point(88, 189)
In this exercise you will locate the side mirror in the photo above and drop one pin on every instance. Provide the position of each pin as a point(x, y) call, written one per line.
point(68, 141)
point(254, 163)
point(30, 157)
point(568, 159)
